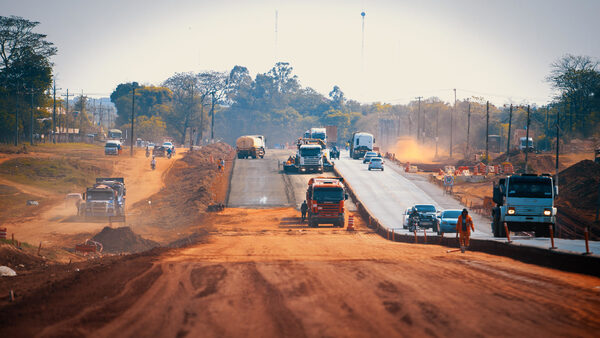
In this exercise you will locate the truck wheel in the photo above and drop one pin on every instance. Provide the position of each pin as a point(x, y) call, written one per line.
point(542, 230)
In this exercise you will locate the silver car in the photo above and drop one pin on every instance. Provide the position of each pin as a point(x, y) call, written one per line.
point(376, 163)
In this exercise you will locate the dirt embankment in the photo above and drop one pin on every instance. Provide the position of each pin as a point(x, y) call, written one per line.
point(191, 185)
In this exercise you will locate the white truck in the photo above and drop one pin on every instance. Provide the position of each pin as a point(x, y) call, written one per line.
point(310, 158)
point(360, 144)
point(526, 203)
point(319, 133)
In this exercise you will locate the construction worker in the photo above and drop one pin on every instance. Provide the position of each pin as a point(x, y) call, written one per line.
point(464, 226)
point(303, 210)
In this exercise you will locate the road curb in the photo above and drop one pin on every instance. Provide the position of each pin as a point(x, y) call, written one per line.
point(556, 259)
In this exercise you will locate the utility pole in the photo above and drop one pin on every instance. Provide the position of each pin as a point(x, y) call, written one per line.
point(419, 119)
point(31, 131)
point(437, 120)
point(557, 142)
point(527, 140)
point(132, 118)
point(508, 138)
point(452, 122)
point(17, 115)
point(487, 132)
point(468, 127)
point(54, 113)
point(66, 124)
point(212, 119)
point(192, 113)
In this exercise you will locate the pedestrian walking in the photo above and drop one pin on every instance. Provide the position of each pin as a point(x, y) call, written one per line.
point(303, 210)
point(464, 225)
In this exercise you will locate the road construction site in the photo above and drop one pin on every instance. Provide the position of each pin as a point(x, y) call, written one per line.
point(260, 271)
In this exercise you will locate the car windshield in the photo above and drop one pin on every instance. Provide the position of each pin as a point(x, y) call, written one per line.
point(371, 154)
point(425, 208)
point(375, 160)
point(530, 187)
point(111, 145)
point(310, 151)
point(328, 194)
point(320, 136)
point(451, 214)
point(100, 195)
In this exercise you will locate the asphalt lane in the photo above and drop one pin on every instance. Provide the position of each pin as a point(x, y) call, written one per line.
point(258, 183)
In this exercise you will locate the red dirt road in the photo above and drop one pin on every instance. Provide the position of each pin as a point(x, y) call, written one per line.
point(264, 274)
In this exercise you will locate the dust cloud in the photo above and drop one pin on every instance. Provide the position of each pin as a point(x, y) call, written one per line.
point(407, 149)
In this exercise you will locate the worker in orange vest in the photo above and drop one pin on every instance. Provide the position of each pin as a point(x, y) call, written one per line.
point(464, 226)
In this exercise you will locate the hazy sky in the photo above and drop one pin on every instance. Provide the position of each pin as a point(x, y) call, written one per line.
point(500, 50)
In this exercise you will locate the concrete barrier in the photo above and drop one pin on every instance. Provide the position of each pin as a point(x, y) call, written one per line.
point(555, 259)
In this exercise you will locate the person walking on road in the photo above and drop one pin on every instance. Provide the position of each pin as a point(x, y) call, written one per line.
point(303, 210)
point(464, 225)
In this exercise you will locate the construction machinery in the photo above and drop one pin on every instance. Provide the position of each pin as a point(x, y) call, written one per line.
point(525, 203)
point(250, 146)
point(325, 198)
point(105, 199)
point(311, 156)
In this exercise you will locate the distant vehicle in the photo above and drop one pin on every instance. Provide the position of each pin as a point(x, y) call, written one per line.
point(405, 217)
point(525, 203)
point(250, 146)
point(150, 145)
point(169, 145)
point(112, 147)
point(360, 144)
point(447, 221)
point(325, 197)
point(427, 216)
point(369, 155)
point(334, 153)
point(118, 185)
point(597, 156)
point(310, 158)
point(114, 134)
point(319, 133)
point(376, 163)
point(523, 144)
point(159, 151)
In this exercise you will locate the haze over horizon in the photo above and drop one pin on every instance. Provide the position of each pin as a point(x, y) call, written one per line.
point(499, 50)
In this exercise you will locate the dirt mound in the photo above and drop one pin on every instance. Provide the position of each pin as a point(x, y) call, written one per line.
point(189, 189)
point(12, 257)
point(579, 185)
point(116, 240)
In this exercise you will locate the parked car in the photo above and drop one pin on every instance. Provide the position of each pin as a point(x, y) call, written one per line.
point(169, 145)
point(369, 155)
point(447, 220)
point(427, 216)
point(376, 163)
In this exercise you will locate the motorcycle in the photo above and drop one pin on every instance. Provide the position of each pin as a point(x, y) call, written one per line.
point(169, 155)
point(413, 223)
point(147, 153)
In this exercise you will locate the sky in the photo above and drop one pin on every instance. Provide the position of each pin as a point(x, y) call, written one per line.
point(499, 50)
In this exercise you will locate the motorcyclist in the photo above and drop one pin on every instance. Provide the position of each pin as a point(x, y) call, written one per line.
point(169, 152)
point(414, 216)
point(153, 163)
point(147, 151)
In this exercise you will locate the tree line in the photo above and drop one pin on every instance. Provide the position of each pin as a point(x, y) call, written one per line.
point(214, 105)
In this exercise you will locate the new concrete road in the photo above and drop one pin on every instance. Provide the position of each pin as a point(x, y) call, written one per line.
point(261, 183)
point(389, 193)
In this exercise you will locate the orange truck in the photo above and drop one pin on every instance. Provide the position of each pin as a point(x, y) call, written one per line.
point(325, 198)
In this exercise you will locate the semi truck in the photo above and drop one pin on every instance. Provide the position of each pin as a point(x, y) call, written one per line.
point(319, 133)
point(360, 144)
point(250, 146)
point(525, 203)
point(325, 198)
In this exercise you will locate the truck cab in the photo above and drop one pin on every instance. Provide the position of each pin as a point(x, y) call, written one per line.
point(325, 197)
point(526, 203)
point(310, 157)
point(101, 200)
point(112, 147)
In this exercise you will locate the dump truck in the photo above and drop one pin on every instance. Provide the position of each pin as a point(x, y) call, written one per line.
point(105, 199)
point(525, 203)
point(118, 185)
point(360, 144)
point(325, 198)
point(250, 146)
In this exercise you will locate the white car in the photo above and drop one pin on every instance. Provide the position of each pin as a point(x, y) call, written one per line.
point(376, 163)
point(405, 217)
point(169, 145)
